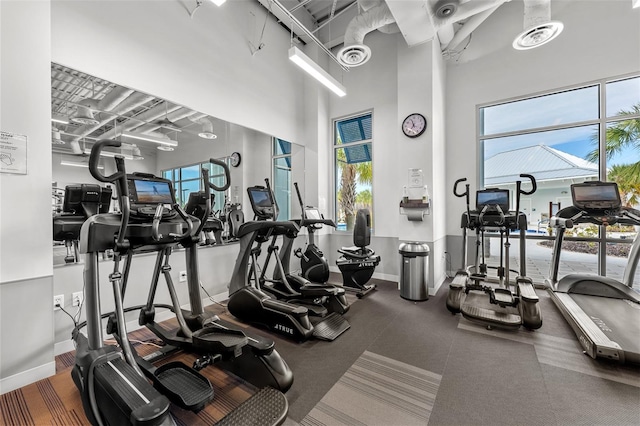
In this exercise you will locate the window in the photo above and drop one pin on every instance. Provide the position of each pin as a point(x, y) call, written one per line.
point(281, 162)
point(353, 142)
point(188, 179)
point(559, 137)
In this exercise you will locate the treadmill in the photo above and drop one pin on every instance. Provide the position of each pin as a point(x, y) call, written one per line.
point(603, 312)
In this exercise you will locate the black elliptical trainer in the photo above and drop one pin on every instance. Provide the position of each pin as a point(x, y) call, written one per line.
point(511, 303)
point(255, 305)
point(113, 386)
point(314, 268)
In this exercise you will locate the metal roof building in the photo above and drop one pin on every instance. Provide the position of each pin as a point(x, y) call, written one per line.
point(541, 161)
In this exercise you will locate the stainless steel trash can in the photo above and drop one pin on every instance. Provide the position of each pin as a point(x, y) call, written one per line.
point(414, 271)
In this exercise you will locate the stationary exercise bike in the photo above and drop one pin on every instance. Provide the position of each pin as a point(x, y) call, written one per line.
point(115, 383)
point(504, 307)
point(357, 263)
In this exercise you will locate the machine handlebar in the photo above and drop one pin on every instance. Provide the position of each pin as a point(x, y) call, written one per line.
point(227, 177)
point(533, 184)
point(119, 177)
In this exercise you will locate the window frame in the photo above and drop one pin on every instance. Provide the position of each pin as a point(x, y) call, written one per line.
point(601, 123)
point(200, 165)
point(274, 158)
point(334, 149)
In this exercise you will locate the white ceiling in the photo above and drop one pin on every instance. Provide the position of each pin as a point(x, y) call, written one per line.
point(116, 109)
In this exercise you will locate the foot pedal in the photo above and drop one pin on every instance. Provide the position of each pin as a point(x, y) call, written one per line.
point(183, 386)
point(491, 318)
point(332, 326)
point(215, 340)
point(267, 407)
point(502, 297)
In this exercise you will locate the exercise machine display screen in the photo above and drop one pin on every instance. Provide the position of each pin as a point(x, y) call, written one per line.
point(313, 214)
point(147, 191)
point(261, 202)
point(493, 198)
point(596, 195)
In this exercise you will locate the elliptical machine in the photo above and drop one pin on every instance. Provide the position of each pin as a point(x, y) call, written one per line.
point(298, 314)
point(505, 308)
point(312, 283)
point(313, 265)
point(113, 383)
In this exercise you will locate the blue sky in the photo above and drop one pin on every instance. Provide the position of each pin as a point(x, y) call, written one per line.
point(561, 108)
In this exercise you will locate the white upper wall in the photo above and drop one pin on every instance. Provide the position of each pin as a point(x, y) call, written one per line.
point(25, 206)
point(600, 39)
point(204, 62)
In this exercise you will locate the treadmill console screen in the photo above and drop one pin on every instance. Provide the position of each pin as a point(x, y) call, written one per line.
point(596, 195)
point(261, 202)
point(493, 198)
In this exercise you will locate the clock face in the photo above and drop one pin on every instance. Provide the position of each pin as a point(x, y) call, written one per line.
point(414, 125)
point(235, 159)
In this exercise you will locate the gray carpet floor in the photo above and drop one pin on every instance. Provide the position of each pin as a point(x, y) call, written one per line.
point(405, 363)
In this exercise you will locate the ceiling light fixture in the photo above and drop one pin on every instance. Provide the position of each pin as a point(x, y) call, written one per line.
point(149, 138)
point(304, 62)
point(218, 2)
point(207, 129)
point(77, 164)
point(112, 154)
point(55, 137)
point(635, 4)
point(57, 118)
point(84, 112)
point(165, 148)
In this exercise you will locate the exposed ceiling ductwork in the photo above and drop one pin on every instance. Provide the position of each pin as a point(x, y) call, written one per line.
point(375, 16)
point(539, 29)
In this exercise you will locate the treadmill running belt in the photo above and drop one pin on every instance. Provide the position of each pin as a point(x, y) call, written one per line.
point(618, 319)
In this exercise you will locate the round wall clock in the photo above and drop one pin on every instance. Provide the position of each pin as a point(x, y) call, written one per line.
point(235, 159)
point(414, 125)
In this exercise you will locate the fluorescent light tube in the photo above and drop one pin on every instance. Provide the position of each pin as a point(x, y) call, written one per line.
point(56, 118)
point(304, 62)
point(110, 154)
point(149, 138)
point(75, 164)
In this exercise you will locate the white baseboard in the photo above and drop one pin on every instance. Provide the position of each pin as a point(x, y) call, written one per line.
point(67, 345)
point(27, 377)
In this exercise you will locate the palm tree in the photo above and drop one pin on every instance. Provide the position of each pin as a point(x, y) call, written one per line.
point(627, 181)
point(620, 135)
point(351, 174)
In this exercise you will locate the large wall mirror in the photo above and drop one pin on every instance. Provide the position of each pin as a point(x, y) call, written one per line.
point(165, 139)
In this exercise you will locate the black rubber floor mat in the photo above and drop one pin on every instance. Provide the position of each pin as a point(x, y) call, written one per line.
point(267, 407)
point(332, 326)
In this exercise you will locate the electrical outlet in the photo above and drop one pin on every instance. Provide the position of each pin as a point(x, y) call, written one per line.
point(76, 298)
point(183, 276)
point(58, 300)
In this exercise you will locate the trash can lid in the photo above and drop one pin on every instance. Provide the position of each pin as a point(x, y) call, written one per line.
point(415, 248)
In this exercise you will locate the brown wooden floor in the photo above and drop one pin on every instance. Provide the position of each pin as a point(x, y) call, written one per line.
point(56, 401)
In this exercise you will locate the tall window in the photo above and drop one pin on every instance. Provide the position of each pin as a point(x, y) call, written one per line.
point(584, 133)
point(188, 179)
point(353, 142)
point(281, 182)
